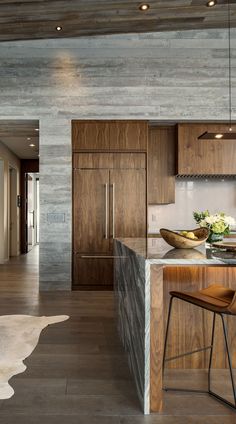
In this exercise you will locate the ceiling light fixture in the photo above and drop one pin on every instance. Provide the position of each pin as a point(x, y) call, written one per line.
point(32, 145)
point(219, 136)
point(58, 28)
point(228, 135)
point(36, 129)
point(28, 138)
point(211, 3)
point(144, 7)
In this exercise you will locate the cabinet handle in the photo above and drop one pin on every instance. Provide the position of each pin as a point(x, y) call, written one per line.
point(113, 210)
point(101, 257)
point(33, 219)
point(106, 214)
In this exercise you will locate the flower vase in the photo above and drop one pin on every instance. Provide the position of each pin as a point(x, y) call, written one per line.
point(214, 237)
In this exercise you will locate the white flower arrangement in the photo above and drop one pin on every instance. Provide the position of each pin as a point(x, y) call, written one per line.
point(219, 223)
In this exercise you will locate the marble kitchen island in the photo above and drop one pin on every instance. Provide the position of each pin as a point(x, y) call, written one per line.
point(145, 271)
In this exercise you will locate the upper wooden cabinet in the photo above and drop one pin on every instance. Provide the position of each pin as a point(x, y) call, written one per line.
point(90, 135)
point(109, 135)
point(128, 135)
point(161, 165)
point(205, 157)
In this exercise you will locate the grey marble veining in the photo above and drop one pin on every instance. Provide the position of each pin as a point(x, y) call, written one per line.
point(157, 251)
point(132, 297)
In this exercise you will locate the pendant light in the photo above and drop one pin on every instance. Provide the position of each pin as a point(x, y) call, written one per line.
point(228, 135)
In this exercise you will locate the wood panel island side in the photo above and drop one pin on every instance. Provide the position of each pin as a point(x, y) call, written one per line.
point(145, 271)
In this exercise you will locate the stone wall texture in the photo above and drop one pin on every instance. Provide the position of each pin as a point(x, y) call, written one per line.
point(168, 76)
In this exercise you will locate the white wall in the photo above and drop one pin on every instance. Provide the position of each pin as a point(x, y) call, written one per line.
point(193, 195)
point(8, 159)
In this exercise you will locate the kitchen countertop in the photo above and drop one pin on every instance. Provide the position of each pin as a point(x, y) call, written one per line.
point(157, 251)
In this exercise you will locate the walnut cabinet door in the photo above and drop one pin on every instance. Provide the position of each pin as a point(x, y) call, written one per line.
point(108, 203)
point(127, 203)
point(91, 209)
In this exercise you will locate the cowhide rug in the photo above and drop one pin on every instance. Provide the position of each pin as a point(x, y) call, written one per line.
point(19, 335)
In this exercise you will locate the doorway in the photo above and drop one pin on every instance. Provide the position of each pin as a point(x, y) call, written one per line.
point(2, 244)
point(13, 215)
point(31, 210)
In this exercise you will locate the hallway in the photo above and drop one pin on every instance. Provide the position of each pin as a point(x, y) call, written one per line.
point(78, 373)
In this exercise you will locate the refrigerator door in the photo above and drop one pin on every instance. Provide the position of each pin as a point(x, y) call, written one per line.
point(91, 211)
point(127, 203)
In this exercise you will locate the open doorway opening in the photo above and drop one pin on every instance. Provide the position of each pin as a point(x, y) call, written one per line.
point(19, 176)
point(2, 244)
point(13, 215)
point(32, 210)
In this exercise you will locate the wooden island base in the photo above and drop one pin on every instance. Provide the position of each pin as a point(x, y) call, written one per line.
point(190, 327)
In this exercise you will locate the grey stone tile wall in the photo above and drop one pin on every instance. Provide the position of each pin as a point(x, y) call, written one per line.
point(157, 76)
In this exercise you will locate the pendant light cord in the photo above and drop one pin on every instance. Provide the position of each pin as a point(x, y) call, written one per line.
point(230, 76)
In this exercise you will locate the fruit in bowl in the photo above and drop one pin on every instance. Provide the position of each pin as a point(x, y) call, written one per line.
point(185, 239)
point(189, 234)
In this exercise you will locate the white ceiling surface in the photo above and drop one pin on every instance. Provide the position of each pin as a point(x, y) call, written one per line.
point(17, 135)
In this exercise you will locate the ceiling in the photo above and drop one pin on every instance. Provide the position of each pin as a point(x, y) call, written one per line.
point(18, 135)
point(33, 19)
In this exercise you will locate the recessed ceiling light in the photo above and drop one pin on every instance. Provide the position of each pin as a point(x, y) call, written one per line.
point(218, 135)
point(36, 129)
point(28, 138)
point(58, 28)
point(32, 145)
point(144, 7)
point(211, 3)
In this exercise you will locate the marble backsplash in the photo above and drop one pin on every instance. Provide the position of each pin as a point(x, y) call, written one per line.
point(193, 195)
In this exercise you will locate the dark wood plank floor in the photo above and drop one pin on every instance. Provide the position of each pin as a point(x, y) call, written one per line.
point(78, 373)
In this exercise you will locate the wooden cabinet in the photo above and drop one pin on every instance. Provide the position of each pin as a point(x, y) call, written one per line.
point(90, 135)
point(128, 198)
point(205, 157)
point(161, 165)
point(90, 202)
point(128, 135)
point(109, 161)
point(109, 135)
point(90, 272)
point(108, 202)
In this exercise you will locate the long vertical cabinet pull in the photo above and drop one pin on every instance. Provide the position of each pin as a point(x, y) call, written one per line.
point(113, 210)
point(106, 212)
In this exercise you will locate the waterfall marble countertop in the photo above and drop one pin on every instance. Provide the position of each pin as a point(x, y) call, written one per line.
point(141, 292)
point(157, 251)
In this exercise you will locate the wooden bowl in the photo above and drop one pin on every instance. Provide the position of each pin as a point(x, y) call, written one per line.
point(181, 242)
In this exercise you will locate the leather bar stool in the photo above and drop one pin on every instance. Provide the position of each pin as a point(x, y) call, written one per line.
point(219, 300)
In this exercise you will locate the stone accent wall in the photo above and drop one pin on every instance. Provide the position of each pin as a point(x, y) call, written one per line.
point(172, 76)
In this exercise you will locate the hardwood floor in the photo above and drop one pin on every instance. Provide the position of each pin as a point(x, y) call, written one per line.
point(78, 373)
